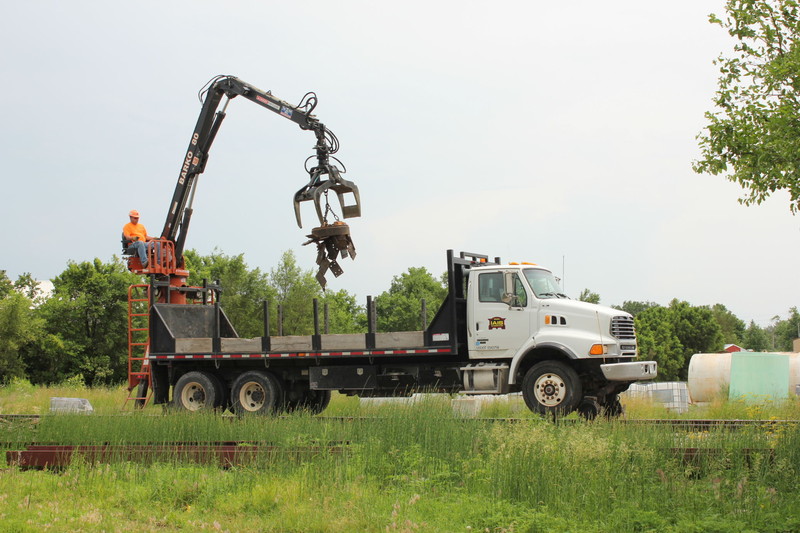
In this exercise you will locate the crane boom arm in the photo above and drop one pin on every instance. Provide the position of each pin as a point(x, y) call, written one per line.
point(208, 124)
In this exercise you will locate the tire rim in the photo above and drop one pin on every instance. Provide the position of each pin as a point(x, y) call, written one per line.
point(193, 396)
point(550, 390)
point(252, 396)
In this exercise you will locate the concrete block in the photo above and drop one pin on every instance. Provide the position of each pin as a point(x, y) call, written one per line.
point(70, 405)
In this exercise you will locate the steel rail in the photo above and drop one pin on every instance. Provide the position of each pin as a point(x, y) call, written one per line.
point(222, 454)
point(694, 424)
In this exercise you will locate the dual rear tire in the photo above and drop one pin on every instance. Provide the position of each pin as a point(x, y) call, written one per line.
point(254, 392)
point(198, 391)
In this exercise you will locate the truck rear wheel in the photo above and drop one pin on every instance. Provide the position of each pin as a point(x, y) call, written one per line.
point(256, 392)
point(589, 408)
point(223, 398)
point(551, 387)
point(314, 401)
point(613, 408)
point(195, 391)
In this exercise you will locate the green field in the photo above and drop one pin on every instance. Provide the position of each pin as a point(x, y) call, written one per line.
point(416, 467)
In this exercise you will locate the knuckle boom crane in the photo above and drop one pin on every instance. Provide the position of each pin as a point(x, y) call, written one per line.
point(501, 328)
point(332, 236)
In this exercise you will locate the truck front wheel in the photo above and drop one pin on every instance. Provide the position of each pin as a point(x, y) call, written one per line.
point(256, 392)
point(551, 387)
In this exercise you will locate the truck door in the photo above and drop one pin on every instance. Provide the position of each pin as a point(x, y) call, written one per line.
point(500, 315)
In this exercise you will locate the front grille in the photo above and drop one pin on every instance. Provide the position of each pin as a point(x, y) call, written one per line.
point(622, 327)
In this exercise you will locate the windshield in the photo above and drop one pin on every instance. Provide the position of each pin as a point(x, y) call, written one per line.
point(543, 283)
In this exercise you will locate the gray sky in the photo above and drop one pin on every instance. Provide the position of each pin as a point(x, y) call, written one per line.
point(557, 133)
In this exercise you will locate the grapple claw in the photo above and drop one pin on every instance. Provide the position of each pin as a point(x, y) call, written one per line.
point(317, 187)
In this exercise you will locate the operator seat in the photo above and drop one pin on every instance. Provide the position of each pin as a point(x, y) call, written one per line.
point(126, 246)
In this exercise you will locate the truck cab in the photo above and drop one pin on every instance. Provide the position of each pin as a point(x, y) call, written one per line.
point(524, 334)
point(516, 307)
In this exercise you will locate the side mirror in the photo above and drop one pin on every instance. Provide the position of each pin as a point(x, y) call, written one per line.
point(510, 299)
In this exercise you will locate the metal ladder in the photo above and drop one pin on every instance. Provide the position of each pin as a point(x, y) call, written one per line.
point(140, 389)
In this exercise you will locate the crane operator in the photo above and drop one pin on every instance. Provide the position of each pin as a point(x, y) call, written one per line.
point(137, 236)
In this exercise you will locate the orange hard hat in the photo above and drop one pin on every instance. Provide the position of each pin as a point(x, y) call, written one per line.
point(134, 213)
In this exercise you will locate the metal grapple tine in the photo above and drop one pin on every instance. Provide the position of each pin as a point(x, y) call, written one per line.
point(297, 201)
point(342, 186)
point(319, 192)
point(312, 191)
point(305, 194)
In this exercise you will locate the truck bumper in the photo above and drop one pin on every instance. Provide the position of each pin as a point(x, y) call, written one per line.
point(634, 371)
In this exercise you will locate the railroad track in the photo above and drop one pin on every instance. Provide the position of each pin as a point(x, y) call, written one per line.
point(232, 454)
point(13, 418)
point(227, 454)
point(222, 454)
point(679, 423)
point(687, 424)
point(705, 425)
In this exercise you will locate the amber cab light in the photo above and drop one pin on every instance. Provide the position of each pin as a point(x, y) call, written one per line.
point(597, 349)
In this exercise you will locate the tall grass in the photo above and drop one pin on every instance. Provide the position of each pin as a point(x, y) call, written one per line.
point(720, 408)
point(20, 397)
point(418, 467)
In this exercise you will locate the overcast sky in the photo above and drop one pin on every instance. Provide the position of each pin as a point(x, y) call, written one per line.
point(552, 132)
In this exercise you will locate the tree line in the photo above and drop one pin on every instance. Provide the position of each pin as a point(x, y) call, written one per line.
point(80, 330)
point(671, 334)
point(751, 138)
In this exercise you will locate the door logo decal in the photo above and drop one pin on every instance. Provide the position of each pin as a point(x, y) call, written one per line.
point(497, 323)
